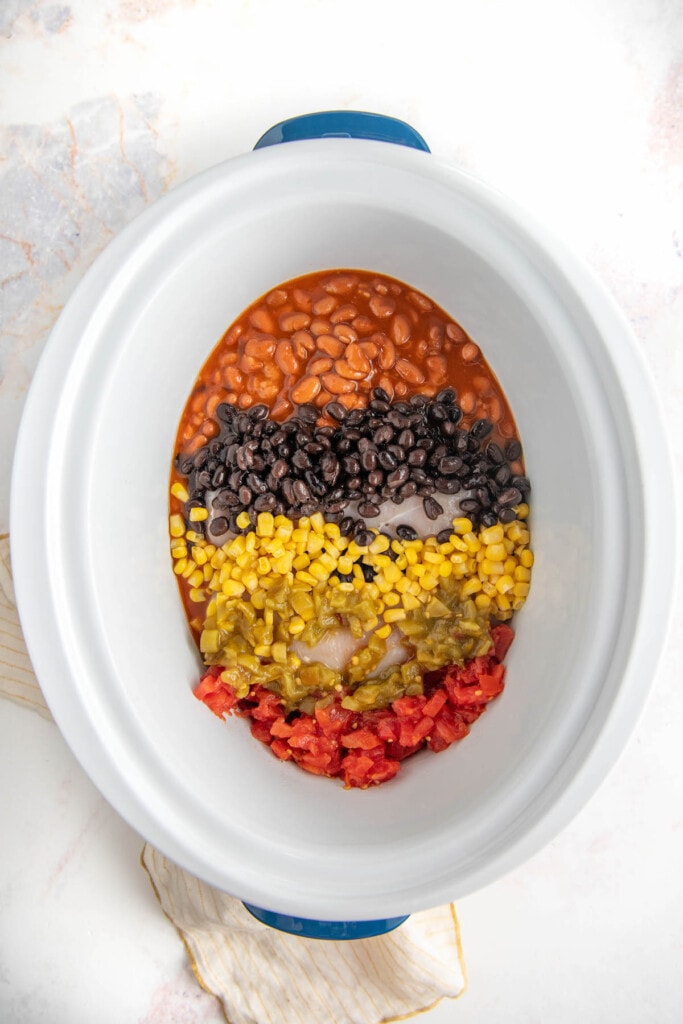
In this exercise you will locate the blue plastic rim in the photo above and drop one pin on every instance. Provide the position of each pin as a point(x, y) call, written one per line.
point(343, 124)
point(307, 928)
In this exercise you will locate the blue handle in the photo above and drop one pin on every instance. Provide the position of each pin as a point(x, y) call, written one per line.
point(343, 124)
point(307, 928)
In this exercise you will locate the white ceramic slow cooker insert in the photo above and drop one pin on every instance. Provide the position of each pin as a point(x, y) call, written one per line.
point(99, 603)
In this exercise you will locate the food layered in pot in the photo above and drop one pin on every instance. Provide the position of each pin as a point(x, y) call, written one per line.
point(349, 525)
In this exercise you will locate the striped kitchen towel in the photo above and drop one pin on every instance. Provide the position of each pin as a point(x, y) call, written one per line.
point(259, 975)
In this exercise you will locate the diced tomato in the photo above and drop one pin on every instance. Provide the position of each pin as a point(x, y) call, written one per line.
point(217, 695)
point(366, 748)
point(363, 738)
point(502, 637)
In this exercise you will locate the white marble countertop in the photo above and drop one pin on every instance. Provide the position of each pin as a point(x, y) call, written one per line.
point(576, 110)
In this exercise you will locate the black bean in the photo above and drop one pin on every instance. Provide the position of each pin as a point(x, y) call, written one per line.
point(280, 469)
point(469, 505)
point(301, 460)
point(447, 485)
point(444, 536)
point(398, 419)
point(507, 515)
point(368, 572)
point(437, 413)
point(405, 532)
point(258, 412)
point(219, 526)
point(336, 410)
point(376, 478)
point(489, 519)
point(218, 478)
point(432, 508)
point(513, 450)
point(225, 499)
point(333, 507)
point(308, 414)
point(417, 457)
point(502, 475)
point(351, 465)
point(494, 453)
point(301, 491)
point(287, 489)
point(398, 477)
point(383, 434)
point(225, 412)
point(204, 479)
point(446, 397)
point(522, 483)
point(377, 405)
point(368, 509)
point(353, 483)
point(387, 460)
point(257, 484)
point(481, 429)
point(368, 460)
point(380, 395)
point(419, 475)
point(355, 417)
point(449, 465)
point(308, 508)
point(406, 439)
point(510, 496)
point(201, 458)
point(418, 400)
point(186, 466)
point(265, 503)
point(396, 450)
point(408, 489)
point(244, 494)
point(363, 537)
point(242, 423)
point(426, 489)
point(235, 479)
point(346, 525)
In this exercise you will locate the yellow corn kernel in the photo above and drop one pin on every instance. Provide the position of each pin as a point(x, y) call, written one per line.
point(258, 599)
point(522, 511)
point(432, 557)
point(504, 583)
point(179, 492)
point(176, 525)
point(196, 578)
point(410, 602)
point(301, 562)
point(265, 524)
point(196, 595)
point(496, 552)
point(278, 653)
point(332, 531)
point(471, 541)
point(296, 625)
point(283, 564)
point(445, 570)
point(510, 565)
point(194, 537)
point(218, 558)
point(345, 565)
point(391, 598)
point(179, 550)
point(490, 568)
point(318, 571)
point(383, 632)
point(492, 535)
point(473, 586)
point(380, 544)
point(394, 615)
point(482, 601)
point(233, 588)
point(305, 577)
point(317, 522)
point(503, 602)
point(243, 520)
point(263, 566)
point(198, 515)
point(208, 573)
point(462, 525)
point(262, 650)
point(346, 587)
point(428, 581)
point(209, 641)
point(521, 574)
point(392, 573)
point(526, 557)
point(520, 589)
point(189, 569)
point(315, 543)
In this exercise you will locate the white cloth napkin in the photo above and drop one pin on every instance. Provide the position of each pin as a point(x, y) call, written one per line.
point(262, 976)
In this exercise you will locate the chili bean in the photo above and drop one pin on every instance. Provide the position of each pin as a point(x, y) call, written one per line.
point(469, 353)
point(302, 299)
point(400, 329)
point(319, 365)
point(324, 306)
point(382, 306)
point(357, 360)
point(338, 385)
point(330, 345)
point(305, 390)
point(319, 327)
point(293, 321)
point(436, 368)
point(345, 370)
point(468, 402)
point(262, 320)
point(387, 354)
point(277, 297)
point(345, 314)
point(363, 324)
point(342, 284)
point(344, 333)
point(409, 372)
point(260, 348)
